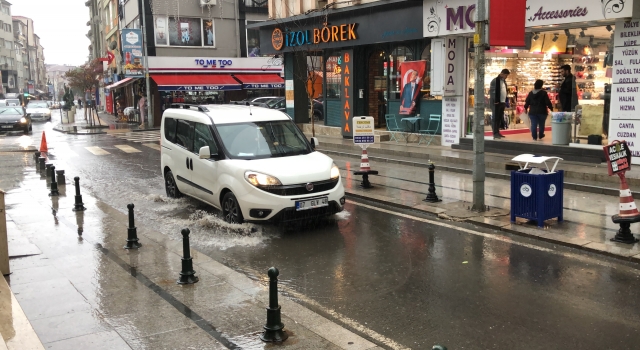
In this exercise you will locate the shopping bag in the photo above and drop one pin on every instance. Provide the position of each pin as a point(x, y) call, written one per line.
point(525, 118)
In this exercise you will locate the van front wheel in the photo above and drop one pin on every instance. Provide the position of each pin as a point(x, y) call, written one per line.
point(170, 186)
point(231, 209)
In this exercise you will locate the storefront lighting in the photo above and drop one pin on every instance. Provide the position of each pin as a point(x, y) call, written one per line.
point(609, 28)
point(582, 35)
point(567, 32)
point(536, 36)
point(555, 37)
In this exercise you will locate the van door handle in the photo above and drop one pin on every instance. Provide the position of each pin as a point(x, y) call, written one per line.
point(187, 163)
point(191, 163)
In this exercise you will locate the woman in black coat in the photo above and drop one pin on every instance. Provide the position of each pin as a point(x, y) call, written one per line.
point(536, 105)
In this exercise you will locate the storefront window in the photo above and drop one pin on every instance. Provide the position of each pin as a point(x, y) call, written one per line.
point(334, 77)
point(398, 55)
point(426, 81)
point(253, 41)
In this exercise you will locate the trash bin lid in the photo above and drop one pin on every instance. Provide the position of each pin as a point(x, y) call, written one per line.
point(531, 158)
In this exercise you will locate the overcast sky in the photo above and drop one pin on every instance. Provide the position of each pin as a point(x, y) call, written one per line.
point(61, 26)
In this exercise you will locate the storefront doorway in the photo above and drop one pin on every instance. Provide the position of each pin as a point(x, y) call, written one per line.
point(377, 87)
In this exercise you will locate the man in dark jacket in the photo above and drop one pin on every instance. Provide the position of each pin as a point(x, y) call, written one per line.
point(568, 91)
point(497, 100)
point(538, 105)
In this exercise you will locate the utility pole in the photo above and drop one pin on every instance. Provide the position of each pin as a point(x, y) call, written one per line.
point(479, 40)
point(150, 115)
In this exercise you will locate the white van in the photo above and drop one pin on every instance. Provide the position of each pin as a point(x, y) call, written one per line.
point(252, 163)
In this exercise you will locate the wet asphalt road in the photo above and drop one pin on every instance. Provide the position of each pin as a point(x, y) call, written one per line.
point(411, 279)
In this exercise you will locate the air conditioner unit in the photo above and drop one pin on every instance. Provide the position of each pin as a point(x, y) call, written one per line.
point(208, 2)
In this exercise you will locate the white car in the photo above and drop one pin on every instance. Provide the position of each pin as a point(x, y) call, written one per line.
point(38, 110)
point(252, 163)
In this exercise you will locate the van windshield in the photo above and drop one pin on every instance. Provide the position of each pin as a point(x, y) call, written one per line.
point(263, 139)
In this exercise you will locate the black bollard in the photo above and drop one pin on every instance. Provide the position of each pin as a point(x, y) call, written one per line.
point(432, 197)
point(132, 232)
point(36, 155)
point(624, 234)
point(54, 184)
point(273, 330)
point(47, 170)
point(187, 275)
point(41, 163)
point(78, 206)
point(60, 176)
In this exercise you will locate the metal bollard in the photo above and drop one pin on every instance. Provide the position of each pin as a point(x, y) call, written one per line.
point(61, 179)
point(5, 268)
point(41, 163)
point(432, 197)
point(273, 330)
point(78, 206)
point(36, 155)
point(54, 184)
point(47, 170)
point(132, 232)
point(187, 275)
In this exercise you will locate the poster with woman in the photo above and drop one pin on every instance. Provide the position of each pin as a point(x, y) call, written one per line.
point(160, 24)
point(411, 73)
point(185, 31)
point(209, 33)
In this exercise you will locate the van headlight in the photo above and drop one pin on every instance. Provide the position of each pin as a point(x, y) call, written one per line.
point(258, 179)
point(335, 172)
point(23, 120)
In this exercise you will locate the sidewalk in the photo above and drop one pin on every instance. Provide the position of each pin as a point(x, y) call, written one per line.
point(103, 124)
point(87, 292)
point(587, 216)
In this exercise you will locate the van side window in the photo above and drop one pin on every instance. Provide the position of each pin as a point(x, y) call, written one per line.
point(203, 138)
point(184, 135)
point(170, 129)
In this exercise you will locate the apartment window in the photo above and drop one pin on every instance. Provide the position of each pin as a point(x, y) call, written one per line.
point(256, 3)
point(1, 42)
point(11, 61)
point(8, 45)
point(5, 10)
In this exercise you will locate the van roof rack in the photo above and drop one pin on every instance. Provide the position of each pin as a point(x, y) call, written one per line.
point(188, 106)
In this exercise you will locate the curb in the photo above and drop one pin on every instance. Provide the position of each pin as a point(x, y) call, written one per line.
point(567, 185)
point(635, 258)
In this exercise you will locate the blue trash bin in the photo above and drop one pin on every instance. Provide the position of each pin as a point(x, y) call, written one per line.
point(537, 197)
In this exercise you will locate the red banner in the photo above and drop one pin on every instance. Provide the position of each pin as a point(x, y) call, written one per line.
point(411, 74)
point(506, 22)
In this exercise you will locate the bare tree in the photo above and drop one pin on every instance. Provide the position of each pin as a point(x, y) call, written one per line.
point(86, 77)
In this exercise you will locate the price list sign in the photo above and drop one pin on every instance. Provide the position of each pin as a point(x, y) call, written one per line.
point(625, 91)
point(618, 157)
point(363, 131)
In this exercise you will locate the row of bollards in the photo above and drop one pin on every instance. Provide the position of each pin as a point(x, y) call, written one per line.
point(273, 329)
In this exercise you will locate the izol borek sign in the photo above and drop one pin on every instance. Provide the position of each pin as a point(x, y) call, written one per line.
point(326, 34)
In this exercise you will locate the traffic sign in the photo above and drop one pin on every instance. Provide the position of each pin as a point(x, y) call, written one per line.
point(363, 131)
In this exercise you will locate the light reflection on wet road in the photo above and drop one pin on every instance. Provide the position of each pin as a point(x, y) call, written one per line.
point(410, 280)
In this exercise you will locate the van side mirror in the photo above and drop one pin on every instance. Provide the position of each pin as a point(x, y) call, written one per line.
point(204, 152)
point(314, 142)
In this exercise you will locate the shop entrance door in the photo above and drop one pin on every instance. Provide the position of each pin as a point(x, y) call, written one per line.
point(376, 104)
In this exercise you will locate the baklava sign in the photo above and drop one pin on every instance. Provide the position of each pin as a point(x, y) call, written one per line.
point(346, 64)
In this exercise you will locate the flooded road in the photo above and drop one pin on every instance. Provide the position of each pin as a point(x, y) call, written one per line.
point(387, 273)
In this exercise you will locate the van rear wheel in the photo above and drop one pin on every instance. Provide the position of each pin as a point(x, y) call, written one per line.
point(170, 186)
point(231, 209)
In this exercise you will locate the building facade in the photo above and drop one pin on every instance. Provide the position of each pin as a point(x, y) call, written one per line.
point(35, 79)
point(8, 61)
point(55, 75)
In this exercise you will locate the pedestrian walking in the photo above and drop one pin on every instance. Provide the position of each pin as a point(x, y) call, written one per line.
point(79, 103)
point(497, 100)
point(568, 91)
point(537, 106)
point(142, 105)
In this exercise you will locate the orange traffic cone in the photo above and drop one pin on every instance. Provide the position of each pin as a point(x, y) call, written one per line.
point(364, 161)
point(627, 204)
point(43, 144)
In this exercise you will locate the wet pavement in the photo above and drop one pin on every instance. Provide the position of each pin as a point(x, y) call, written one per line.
point(399, 278)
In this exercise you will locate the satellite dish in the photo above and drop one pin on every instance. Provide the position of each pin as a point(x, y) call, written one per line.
point(113, 45)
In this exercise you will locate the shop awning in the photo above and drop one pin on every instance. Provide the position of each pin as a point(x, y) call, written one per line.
point(195, 82)
point(120, 83)
point(260, 81)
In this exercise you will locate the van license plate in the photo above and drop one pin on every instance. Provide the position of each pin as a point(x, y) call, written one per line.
point(7, 126)
point(312, 203)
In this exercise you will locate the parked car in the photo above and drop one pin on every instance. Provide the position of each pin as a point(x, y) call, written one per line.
point(263, 99)
point(14, 118)
point(12, 102)
point(3, 103)
point(253, 164)
point(38, 110)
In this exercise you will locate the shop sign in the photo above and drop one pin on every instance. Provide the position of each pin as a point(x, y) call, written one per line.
point(132, 51)
point(212, 63)
point(451, 108)
point(625, 91)
point(326, 34)
point(618, 157)
point(347, 92)
point(263, 86)
point(454, 66)
point(198, 87)
point(363, 131)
